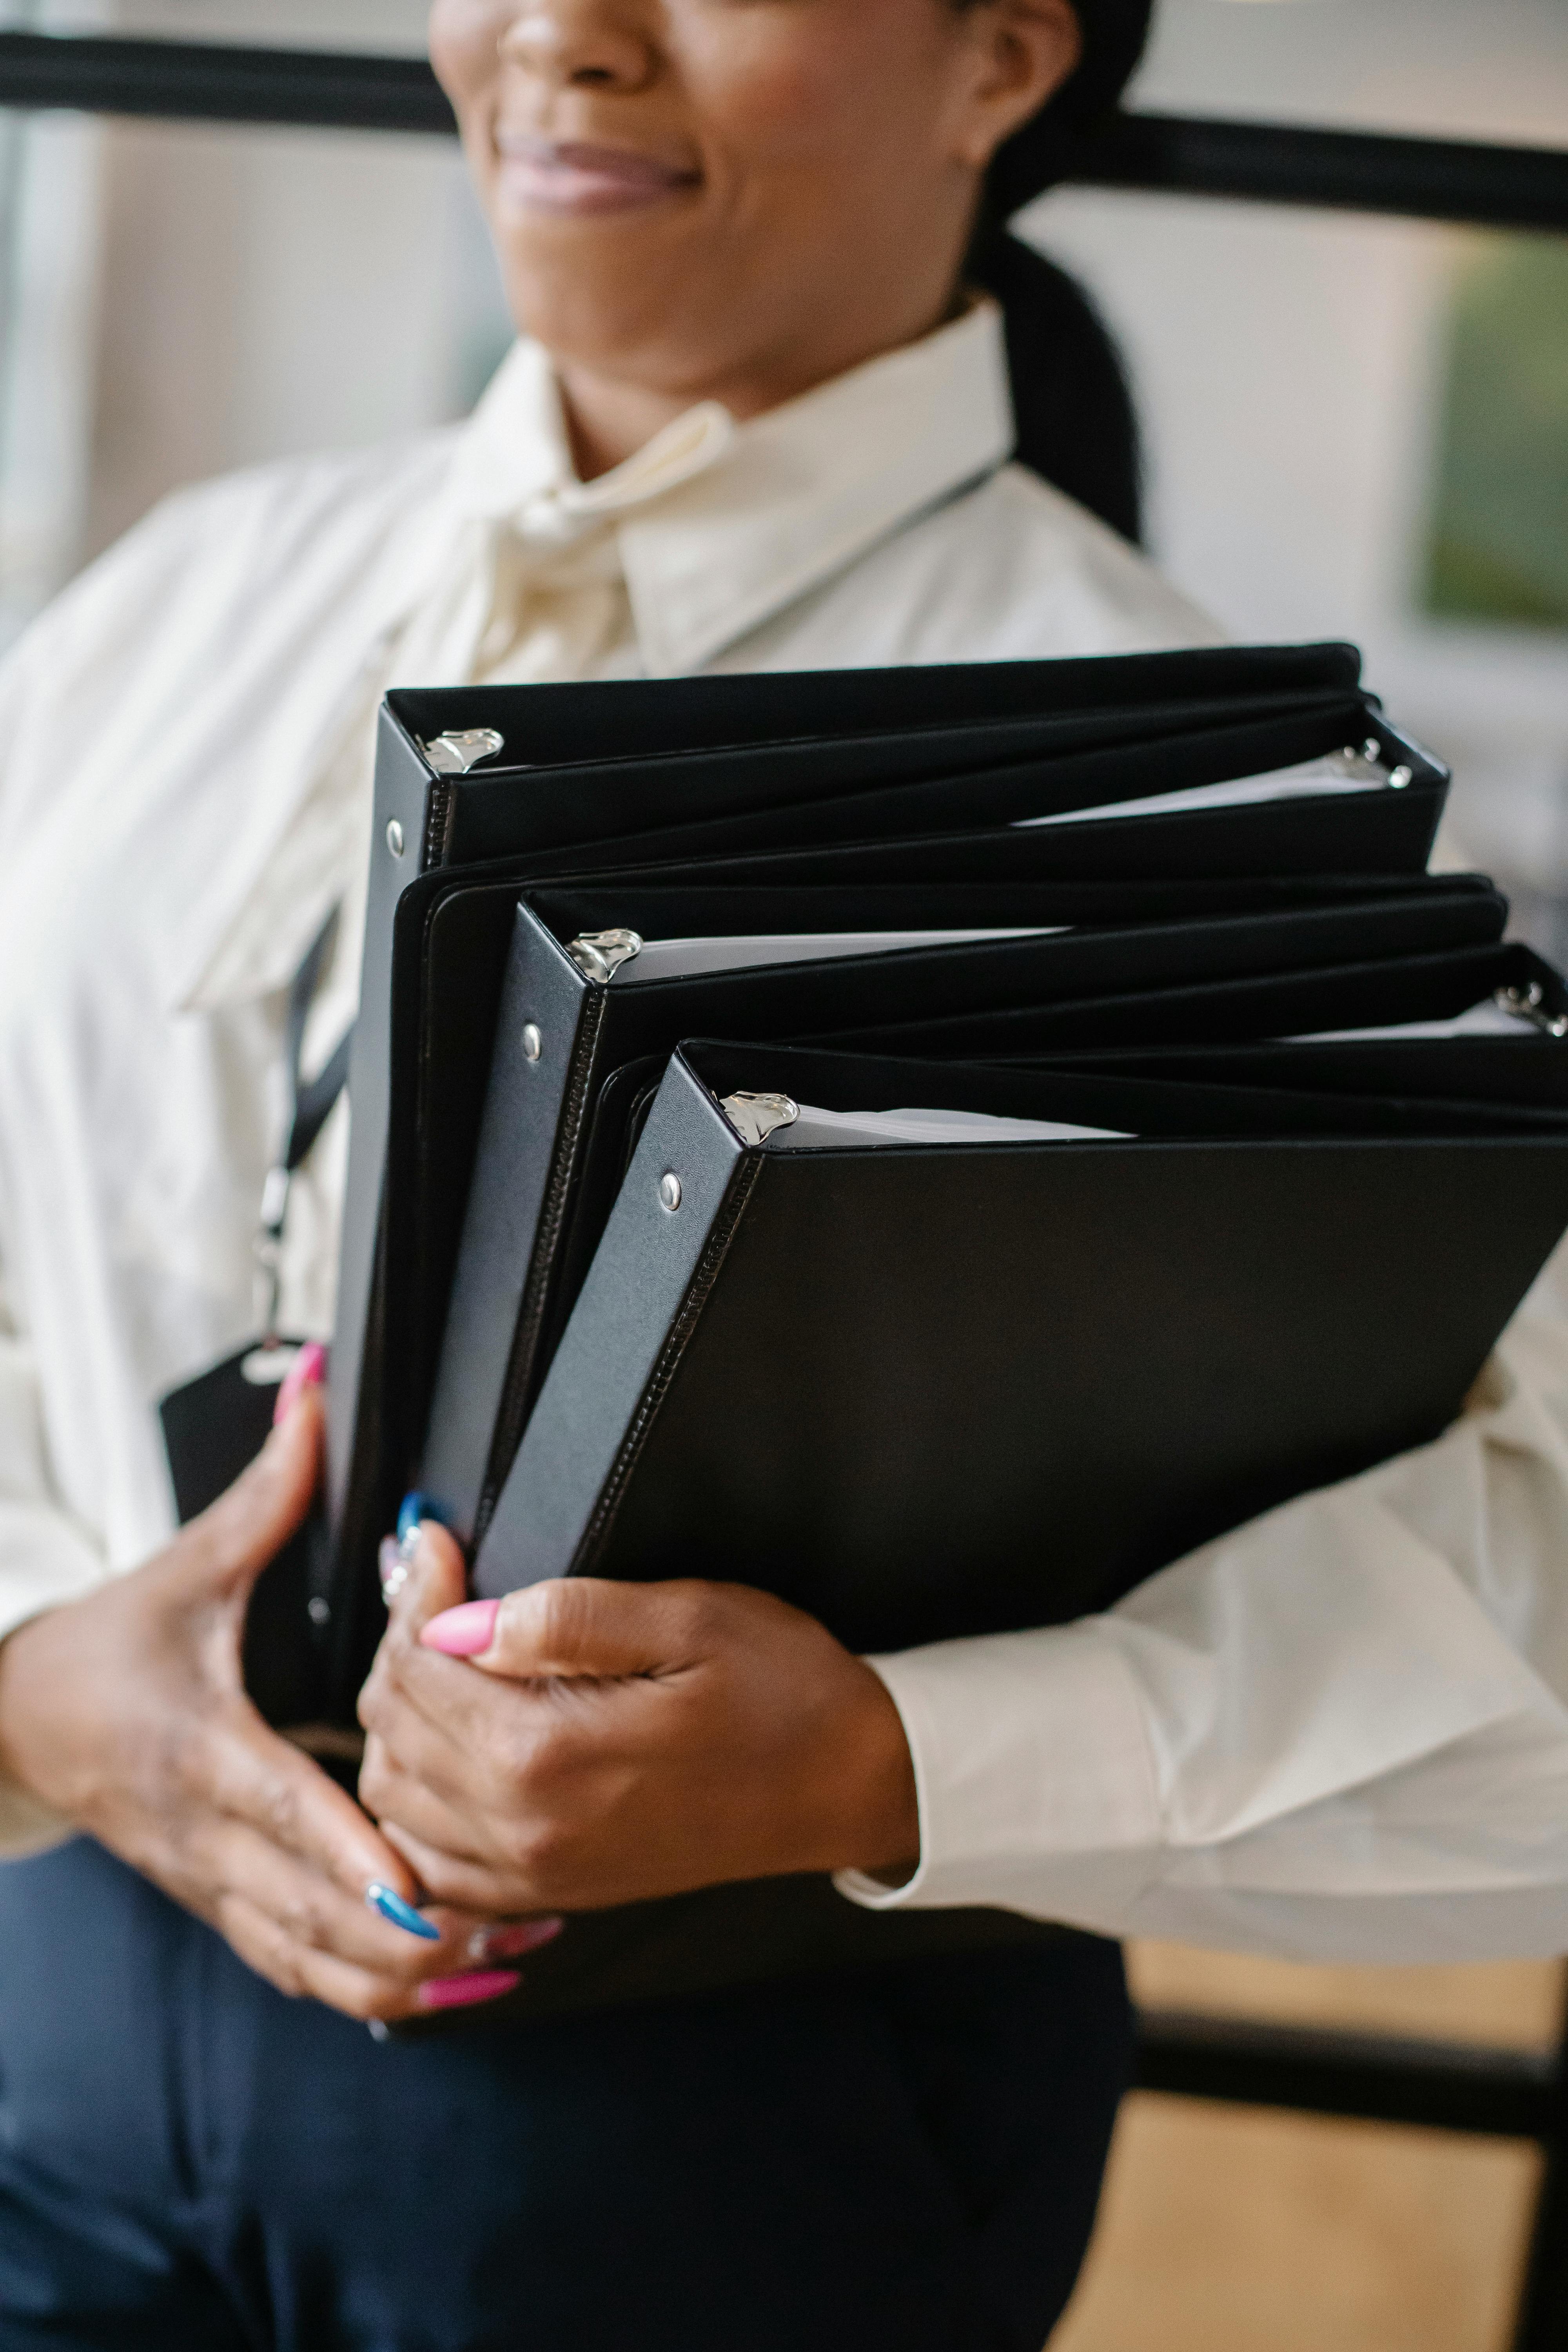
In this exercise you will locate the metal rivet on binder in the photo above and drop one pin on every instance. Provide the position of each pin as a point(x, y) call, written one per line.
point(1529, 1003)
point(463, 748)
point(394, 838)
point(599, 955)
point(532, 1043)
point(756, 1117)
point(1399, 777)
point(669, 1192)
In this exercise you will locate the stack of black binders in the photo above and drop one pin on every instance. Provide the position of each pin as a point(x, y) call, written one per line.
point(937, 1144)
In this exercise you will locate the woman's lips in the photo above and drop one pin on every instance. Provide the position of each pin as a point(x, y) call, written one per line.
point(571, 176)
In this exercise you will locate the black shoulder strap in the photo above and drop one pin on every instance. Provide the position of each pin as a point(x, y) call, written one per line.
point(310, 1108)
point(310, 1105)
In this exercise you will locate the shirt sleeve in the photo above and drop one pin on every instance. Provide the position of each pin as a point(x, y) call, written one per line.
point(46, 1556)
point(1339, 1733)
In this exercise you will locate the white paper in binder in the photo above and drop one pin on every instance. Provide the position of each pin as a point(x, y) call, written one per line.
point(1310, 780)
point(679, 959)
point(814, 1129)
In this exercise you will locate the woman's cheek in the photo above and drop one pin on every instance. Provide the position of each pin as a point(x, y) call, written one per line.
point(783, 124)
point(464, 37)
point(768, 83)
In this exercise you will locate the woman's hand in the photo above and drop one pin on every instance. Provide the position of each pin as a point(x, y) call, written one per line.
point(605, 1742)
point(126, 1714)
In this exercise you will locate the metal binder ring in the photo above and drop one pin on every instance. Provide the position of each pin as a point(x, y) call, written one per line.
point(462, 747)
point(1529, 1003)
point(599, 955)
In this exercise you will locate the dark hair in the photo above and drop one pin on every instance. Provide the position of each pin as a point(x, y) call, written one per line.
point(1076, 421)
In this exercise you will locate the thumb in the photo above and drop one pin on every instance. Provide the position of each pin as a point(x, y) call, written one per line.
point(246, 1528)
point(436, 1582)
point(577, 1626)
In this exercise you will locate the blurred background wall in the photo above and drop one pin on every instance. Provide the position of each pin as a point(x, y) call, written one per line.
point(175, 300)
point(1354, 428)
point(1322, 393)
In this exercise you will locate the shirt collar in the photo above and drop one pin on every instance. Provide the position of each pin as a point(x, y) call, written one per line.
point(720, 525)
point(717, 526)
point(513, 464)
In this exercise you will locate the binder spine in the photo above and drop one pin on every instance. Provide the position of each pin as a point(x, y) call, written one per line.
point(544, 1042)
point(742, 1184)
point(683, 1197)
point(402, 803)
point(517, 1390)
point(439, 814)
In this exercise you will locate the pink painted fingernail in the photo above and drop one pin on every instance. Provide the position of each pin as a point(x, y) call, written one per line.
point(464, 1632)
point(463, 1992)
point(512, 1943)
point(306, 1371)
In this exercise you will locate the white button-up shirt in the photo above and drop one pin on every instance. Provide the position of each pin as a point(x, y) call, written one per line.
point(1339, 1732)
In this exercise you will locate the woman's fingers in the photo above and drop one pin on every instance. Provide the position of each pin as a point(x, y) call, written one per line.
point(439, 1576)
point(253, 1776)
point(426, 1705)
point(582, 1627)
point(494, 1888)
point(299, 1970)
point(396, 1789)
point(452, 1730)
point(316, 1913)
point(578, 1626)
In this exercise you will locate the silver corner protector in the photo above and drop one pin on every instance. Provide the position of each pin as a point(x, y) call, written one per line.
point(454, 755)
point(756, 1117)
point(599, 955)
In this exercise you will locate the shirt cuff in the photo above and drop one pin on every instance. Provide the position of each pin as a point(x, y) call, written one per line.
point(1033, 1771)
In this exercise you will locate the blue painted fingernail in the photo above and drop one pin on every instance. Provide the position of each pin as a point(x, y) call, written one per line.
point(415, 1508)
point(402, 1915)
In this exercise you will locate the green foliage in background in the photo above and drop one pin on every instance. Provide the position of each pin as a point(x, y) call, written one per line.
point(1498, 549)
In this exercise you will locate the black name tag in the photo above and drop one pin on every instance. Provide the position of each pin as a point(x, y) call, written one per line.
point(214, 1428)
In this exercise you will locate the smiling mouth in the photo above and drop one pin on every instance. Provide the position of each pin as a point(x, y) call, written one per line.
point(573, 176)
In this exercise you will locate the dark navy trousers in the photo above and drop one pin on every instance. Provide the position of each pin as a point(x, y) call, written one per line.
point(191, 2163)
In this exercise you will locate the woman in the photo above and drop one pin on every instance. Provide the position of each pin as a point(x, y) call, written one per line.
point(758, 422)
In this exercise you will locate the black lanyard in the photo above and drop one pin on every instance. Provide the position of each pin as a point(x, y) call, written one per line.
point(310, 1105)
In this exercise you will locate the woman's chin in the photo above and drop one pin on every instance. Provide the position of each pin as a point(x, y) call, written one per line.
point(635, 324)
point(614, 280)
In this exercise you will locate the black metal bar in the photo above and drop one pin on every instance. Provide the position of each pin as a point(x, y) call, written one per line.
point(1356, 171)
point(213, 82)
point(1542, 2322)
point(1376, 2078)
point(1428, 179)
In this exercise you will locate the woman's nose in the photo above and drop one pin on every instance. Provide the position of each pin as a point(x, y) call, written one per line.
point(583, 43)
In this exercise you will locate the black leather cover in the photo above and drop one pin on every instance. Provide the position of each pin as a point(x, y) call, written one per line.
point(1529, 1068)
point(214, 1428)
point(481, 824)
point(910, 773)
point(695, 748)
point(709, 803)
point(932, 1391)
point(508, 1290)
point(928, 1391)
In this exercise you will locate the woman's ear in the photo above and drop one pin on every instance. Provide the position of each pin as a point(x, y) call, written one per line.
point(1022, 52)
